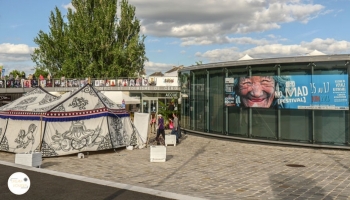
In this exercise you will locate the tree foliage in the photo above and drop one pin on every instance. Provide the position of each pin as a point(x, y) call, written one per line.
point(15, 73)
point(40, 71)
point(93, 42)
point(199, 62)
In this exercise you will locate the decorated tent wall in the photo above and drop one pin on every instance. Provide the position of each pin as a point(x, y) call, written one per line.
point(21, 120)
point(82, 120)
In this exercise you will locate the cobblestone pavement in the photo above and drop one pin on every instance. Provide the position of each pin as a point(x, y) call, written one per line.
point(219, 169)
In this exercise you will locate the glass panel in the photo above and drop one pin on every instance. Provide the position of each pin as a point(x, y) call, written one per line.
point(330, 126)
point(264, 123)
point(185, 99)
point(145, 105)
point(238, 121)
point(264, 120)
point(216, 101)
point(185, 112)
point(237, 118)
point(295, 124)
point(198, 88)
point(154, 106)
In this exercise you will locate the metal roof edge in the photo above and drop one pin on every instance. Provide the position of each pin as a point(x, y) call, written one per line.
point(260, 61)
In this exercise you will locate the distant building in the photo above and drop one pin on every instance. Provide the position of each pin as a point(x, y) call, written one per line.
point(174, 71)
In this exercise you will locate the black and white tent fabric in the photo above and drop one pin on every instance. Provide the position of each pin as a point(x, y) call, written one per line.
point(77, 121)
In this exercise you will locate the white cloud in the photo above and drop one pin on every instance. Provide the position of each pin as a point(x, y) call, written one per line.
point(152, 40)
point(328, 46)
point(218, 55)
point(68, 6)
point(186, 19)
point(152, 67)
point(15, 48)
point(206, 40)
point(15, 52)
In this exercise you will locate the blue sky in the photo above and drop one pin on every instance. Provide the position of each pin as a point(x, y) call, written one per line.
point(184, 32)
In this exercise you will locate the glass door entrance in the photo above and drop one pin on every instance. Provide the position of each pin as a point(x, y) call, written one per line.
point(149, 106)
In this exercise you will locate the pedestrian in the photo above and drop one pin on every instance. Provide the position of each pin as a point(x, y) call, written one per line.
point(171, 124)
point(175, 128)
point(153, 124)
point(160, 128)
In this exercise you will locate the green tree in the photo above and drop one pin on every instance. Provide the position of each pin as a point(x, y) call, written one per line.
point(40, 71)
point(163, 110)
point(199, 62)
point(93, 42)
point(130, 50)
point(15, 73)
point(52, 51)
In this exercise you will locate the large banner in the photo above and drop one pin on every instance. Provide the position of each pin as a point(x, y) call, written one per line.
point(324, 92)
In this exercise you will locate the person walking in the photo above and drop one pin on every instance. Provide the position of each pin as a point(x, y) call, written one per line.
point(153, 124)
point(160, 128)
point(174, 131)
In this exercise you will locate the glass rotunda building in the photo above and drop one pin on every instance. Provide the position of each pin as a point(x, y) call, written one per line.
point(292, 100)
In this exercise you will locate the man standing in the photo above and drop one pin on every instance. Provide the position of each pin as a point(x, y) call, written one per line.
point(175, 127)
point(160, 128)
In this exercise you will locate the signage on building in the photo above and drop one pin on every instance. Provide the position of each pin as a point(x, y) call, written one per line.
point(229, 80)
point(168, 80)
point(171, 95)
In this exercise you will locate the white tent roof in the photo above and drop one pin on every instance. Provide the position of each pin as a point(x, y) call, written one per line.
point(316, 53)
point(39, 100)
point(246, 57)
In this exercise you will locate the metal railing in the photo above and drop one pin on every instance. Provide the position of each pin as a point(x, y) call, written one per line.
point(73, 82)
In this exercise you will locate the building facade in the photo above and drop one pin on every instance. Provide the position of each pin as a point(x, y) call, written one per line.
point(296, 100)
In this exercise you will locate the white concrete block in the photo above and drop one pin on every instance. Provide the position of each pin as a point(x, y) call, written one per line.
point(158, 154)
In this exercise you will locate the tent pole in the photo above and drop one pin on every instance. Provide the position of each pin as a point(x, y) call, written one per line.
point(41, 129)
point(149, 132)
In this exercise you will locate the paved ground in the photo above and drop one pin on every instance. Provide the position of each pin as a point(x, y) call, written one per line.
point(53, 187)
point(219, 169)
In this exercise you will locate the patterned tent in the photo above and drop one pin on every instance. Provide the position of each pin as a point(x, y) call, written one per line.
point(77, 121)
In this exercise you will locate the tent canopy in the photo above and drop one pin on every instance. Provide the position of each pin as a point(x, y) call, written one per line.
point(316, 53)
point(118, 96)
point(77, 121)
point(246, 57)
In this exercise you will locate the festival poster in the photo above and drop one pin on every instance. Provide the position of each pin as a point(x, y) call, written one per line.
point(323, 92)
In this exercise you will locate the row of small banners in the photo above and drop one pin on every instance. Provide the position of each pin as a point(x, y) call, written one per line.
point(98, 83)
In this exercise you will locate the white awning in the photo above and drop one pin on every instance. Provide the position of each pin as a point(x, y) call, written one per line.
point(118, 96)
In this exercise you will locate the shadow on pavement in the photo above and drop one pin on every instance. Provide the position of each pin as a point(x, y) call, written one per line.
point(285, 187)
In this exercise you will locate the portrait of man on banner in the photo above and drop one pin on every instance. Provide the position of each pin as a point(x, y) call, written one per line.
point(255, 91)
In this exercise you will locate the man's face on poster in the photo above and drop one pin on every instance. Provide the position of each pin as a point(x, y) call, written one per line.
point(257, 91)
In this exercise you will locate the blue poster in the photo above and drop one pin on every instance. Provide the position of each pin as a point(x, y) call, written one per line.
point(323, 92)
